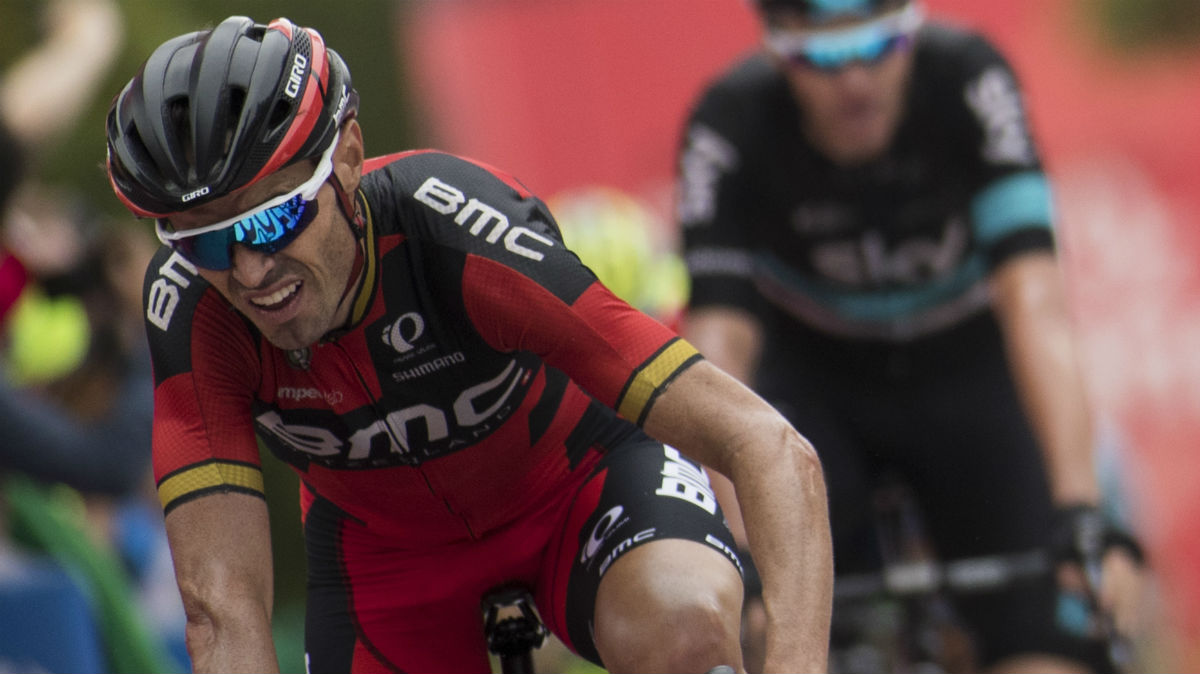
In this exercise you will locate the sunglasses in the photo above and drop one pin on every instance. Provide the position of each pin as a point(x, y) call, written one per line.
point(833, 49)
point(269, 228)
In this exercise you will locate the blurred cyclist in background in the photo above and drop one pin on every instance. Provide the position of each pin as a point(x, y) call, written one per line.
point(869, 234)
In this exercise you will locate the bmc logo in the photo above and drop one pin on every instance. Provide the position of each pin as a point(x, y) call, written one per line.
point(685, 480)
point(446, 199)
point(163, 297)
point(434, 423)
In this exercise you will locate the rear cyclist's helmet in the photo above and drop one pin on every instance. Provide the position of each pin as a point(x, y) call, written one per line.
point(212, 111)
point(821, 10)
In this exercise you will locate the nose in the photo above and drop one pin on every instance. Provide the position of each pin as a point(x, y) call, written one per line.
point(856, 76)
point(250, 267)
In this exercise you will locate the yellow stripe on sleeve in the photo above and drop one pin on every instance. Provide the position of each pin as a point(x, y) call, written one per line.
point(647, 380)
point(208, 476)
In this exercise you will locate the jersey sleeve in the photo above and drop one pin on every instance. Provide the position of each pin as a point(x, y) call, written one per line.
point(1012, 210)
point(205, 368)
point(715, 204)
point(621, 356)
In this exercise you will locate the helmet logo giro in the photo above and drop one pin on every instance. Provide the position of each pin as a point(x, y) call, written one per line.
point(296, 77)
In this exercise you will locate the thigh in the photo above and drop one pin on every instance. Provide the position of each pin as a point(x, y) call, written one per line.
point(641, 491)
point(976, 467)
point(376, 606)
point(980, 478)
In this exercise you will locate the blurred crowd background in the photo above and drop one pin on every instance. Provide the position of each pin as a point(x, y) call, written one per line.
point(583, 101)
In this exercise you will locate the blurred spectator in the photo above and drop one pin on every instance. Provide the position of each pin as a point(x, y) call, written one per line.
point(626, 245)
point(81, 416)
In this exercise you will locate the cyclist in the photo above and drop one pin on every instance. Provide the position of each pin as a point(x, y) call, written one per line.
point(463, 402)
point(868, 230)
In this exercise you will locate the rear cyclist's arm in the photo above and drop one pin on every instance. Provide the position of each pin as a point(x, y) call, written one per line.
point(710, 416)
point(222, 552)
point(1030, 302)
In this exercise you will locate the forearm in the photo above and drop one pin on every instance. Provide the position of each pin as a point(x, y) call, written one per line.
point(792, 549)
point(236, 640)
point(221, 547)
point(1047, 370)
point(1050, 384)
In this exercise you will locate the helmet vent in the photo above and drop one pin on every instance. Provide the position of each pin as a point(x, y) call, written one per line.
point(237, 101)
point(281, 114)
point(177, 111)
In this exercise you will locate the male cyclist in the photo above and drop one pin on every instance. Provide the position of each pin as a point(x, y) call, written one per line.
point(868, 230)
point(465, 405)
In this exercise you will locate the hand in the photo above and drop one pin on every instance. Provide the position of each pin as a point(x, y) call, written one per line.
point(1102, 562)
point(1122, 582)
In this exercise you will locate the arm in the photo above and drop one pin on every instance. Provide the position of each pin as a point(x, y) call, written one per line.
point(82, 39)
point(222, 552)
point(1030, 303)
point(714, 419)
point(110, 455)
point(731, 339)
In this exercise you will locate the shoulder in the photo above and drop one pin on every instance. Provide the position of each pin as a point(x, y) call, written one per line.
point(956, 55)
point(961, 75)
point(186, 317)
point(751, 88)
point(458, 203)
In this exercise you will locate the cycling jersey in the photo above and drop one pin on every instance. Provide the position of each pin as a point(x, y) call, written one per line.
point(893, 250)
point(472, 395)
point(870, 283)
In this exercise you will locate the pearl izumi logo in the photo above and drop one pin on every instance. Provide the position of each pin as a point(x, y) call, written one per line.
point(401, 334)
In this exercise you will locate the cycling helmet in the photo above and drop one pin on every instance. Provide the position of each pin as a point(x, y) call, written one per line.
point(824, 9)
point(212, 111)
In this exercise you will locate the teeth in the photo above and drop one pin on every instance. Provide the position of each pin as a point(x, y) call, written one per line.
point(277, 296)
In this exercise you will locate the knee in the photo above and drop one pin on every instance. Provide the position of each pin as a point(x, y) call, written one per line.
point(684, 622)
point(691, 634)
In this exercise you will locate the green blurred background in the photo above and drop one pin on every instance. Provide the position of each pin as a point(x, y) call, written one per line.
point(362, 32)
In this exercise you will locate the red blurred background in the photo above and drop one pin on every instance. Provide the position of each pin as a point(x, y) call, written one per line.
point(565, 93)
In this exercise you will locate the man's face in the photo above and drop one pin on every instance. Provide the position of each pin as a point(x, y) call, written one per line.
point(293, 296)
point(850, 110)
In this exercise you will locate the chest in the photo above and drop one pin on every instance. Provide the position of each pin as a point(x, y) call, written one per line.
point(904, 219)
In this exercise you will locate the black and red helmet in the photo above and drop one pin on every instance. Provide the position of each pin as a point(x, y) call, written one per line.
point(829, 8)
point(212, 111)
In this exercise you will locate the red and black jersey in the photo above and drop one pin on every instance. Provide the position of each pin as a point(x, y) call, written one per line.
point(483, 361)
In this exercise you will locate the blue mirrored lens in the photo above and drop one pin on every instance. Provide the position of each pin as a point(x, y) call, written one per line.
point(838, 54)
point(269, 227)
point(268, 231)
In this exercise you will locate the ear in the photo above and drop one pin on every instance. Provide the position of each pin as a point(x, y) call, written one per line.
point(349, 155)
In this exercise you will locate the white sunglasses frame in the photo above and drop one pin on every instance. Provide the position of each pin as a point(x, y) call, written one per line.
point(788, 43)
point(306, 190)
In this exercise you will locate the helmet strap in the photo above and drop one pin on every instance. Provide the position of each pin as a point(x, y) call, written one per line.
point(354, 216)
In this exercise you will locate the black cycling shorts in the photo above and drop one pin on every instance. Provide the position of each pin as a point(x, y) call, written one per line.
point(943, 415)
point(377, 605)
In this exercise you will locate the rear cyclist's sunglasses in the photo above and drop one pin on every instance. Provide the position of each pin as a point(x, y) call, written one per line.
point(268, 228)
point(833, 49)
